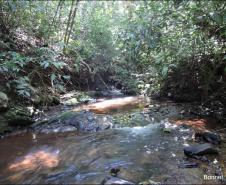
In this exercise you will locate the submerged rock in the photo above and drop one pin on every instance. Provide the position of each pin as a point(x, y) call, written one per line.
point(149, 182)
point(167, 130)
point(200, 149)
point(115, 180)
point(188, 165)
point(210, 137)
point(114, 171)
point(59, 177)
point(4, 101)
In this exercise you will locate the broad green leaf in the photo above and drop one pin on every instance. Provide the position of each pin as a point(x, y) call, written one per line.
point(52, 77)
point(217, 18)
point(59, 64)
point(60, 87)
point(66, 77)
point(164, 71)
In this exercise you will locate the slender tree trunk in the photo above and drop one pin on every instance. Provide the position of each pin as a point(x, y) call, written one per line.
point(3, 27)
point(59, 17)
point(68, 22)
point(58, 8)
point(51, 24)
point(72, 21)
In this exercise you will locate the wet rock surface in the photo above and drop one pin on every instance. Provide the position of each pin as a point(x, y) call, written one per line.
point(19, 116)
point(46, 100)
point(200, 149)
point(4, 101)
point(74, 121)
point(15, 119)
point(188, 164)
point(115, 180)
point(210, 137)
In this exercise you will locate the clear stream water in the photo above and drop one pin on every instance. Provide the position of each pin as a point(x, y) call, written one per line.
point(141, 153)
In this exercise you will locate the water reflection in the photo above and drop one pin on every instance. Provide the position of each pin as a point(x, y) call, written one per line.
point(140, 153)
point(43, 157)
point(199, 124)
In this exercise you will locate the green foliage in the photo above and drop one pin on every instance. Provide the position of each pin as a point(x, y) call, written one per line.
point(166, 35)
point(48, 58)
point(13, 62)
point(139, 44)
point(23, 87)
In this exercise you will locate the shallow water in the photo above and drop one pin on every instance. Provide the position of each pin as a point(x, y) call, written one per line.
point(141, 153)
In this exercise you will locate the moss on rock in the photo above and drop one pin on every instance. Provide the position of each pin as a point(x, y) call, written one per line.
point(4, 101)
point(3, 124)
point(18, 116)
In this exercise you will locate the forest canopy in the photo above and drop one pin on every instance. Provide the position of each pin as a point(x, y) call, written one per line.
point(169, 48)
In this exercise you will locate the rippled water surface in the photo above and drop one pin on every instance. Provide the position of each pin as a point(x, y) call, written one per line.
point(141, 153)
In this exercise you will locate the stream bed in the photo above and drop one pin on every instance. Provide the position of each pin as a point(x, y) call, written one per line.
point(135, 148)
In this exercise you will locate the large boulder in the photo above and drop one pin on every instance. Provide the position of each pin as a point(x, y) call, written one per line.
point(19, 116)
point(74, 121)
point(4, 101)
point(200, 149)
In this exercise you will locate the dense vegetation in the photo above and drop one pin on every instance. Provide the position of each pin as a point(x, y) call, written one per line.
point(163, 48)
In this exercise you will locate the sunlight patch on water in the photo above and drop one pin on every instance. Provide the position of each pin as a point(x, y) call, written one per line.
point(140, 130)
point(107, 106)
point(41, 158)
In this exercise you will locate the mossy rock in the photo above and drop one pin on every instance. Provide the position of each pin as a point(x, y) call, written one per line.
point(83, 97)
point(55, 100)
point(19, 116)
point(71, 121)
point(3, 124)
point(167, 130)
point(66, 115)
point(70, 102)
point(128, 119)
point(4, 101)
point(47, 100)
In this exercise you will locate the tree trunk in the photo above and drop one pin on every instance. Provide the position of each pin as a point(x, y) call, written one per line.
point(68, 22)
point(72, 21)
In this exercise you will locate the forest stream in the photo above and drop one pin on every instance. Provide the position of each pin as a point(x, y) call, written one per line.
point(113, 92)
point(143, 143)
